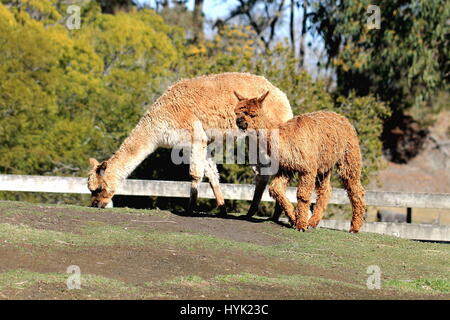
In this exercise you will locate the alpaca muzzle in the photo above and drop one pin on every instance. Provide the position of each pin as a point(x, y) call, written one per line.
point(241, 123)
point(99, 204)
point(95, 204)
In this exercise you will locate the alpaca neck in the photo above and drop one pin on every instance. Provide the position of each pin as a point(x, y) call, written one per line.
point(269, 136)
point(142, 141)
point(267, 122)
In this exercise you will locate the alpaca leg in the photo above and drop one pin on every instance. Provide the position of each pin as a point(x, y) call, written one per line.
point(355, 192)
point(277, 212)
point(304, 192)
point(277, 191)
point(323, 192)
point(260, 185)
point(195, 182)
point(349, 170)
point(197, 164)
point(213, 176)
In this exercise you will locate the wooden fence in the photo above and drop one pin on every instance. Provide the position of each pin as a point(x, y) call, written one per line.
point(24, 183)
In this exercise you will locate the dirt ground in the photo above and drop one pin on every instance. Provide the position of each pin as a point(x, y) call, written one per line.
point(142, 254)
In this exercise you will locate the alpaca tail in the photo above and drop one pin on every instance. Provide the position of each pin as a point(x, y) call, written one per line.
point(349, 170)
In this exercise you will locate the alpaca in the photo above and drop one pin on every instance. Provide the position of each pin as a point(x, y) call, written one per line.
point(311, 145)
point(194, 105)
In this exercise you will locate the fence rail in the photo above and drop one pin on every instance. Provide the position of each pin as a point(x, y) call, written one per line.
point(181, 189)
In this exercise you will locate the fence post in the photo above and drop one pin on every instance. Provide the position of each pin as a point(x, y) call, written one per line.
point(408, 215)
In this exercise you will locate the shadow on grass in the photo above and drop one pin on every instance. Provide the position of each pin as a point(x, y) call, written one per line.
point(242, 217)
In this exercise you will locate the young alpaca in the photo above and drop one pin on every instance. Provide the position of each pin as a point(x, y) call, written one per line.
point(194, 106)
point(311, 145)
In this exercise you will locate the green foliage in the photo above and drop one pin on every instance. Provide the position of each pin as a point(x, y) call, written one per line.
point(65, 95)
point(367, 115)
point(404, 62)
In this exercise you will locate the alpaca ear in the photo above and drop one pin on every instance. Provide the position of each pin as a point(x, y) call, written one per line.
point(238, 96)
point(101, 168)
point(261, 99)
point(94, 163)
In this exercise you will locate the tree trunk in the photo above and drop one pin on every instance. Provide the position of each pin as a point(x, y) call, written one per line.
point(161, 4)
point(302, 40)
point(114, 6)
point(291, 26)
point(198, 20)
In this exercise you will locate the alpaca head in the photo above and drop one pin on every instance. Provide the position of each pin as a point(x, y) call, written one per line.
point(101, 192)
point(248, 111)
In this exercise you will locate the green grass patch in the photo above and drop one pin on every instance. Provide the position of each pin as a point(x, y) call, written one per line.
point(191, 279)
point(22, 279)
point(18, 234)
point(237, 284)
point(7, 207)
point(282, 280)
point(434, 286)
point(358, 251)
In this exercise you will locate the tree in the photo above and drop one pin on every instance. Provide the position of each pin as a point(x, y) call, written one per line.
point(197, 20)
point(291, 24)
point(262, 16)
point(301, 42)
point(404, 63)
point(68, 95)
point(115, 6)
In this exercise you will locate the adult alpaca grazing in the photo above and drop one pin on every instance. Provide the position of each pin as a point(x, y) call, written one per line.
point(182, 115)
point(311, 145)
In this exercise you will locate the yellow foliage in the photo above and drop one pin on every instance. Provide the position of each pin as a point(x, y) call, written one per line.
point(196, 50)
point(46, 9)
point(61, 89)
point(358, 64)
point(6, 17)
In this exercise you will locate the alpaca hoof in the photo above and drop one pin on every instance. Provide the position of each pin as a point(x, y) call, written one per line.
point(313, 224)
point(352, 230)
point(354, 227)
point(302, 227)
point(189, 209)
point(223, 211)
point(251, 213)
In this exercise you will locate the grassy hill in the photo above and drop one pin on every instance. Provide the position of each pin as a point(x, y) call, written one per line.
point(153, 254)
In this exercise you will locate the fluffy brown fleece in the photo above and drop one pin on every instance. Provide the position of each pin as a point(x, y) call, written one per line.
point(202, 103)
point(311, 145)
